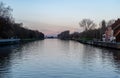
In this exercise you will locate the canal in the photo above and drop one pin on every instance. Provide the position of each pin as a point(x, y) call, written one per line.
point(53, 58)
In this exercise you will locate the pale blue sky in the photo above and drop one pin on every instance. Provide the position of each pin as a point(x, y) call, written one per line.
point(64, 12)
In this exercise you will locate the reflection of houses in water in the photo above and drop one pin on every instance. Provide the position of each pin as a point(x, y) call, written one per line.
point(116, 59)
point(113, 57)
point(112, 32)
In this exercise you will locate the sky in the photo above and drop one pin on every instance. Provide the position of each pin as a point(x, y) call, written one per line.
point(62, 13)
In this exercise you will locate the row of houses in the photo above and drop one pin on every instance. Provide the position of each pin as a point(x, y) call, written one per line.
point(116, 29)
point(112, 33)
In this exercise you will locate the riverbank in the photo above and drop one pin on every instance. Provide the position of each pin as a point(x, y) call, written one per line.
point(4, 42)
point(113, 45)
point(29, 40)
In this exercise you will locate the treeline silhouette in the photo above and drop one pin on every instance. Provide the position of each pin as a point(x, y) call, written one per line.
point(10, 29)
point(90, 31)
point(65, 35)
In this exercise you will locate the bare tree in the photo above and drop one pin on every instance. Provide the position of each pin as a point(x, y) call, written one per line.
point(110, 22)
point(87, 24)
point(5, 11)
point(103, 25)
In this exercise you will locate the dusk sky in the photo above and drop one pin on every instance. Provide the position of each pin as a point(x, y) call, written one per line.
point(62, 12)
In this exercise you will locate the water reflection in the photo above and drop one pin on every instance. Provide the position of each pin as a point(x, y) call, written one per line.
point(57, 58)
point(5, 61)
point(10, 53)
point(116, 59)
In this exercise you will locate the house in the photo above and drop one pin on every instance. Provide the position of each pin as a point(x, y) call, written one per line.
point(112, 32)
point(116, 29)
point(108, 36)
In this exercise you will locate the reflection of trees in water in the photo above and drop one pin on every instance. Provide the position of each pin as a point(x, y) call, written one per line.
point(89, 53)
point(105, 56)
point(7, 54)
point(5, 61)
point(116, 55)
point(10, 53)
point(113, 56)
point(90, 57)
point(116, 59)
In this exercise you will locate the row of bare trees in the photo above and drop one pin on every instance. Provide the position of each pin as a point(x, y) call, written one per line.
point(90, 30)
point(88, 24)
point(8, 27)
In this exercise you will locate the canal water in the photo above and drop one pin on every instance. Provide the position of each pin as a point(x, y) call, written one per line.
point(53, 58)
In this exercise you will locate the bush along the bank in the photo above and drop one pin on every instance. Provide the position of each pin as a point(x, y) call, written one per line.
point(65, 35)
